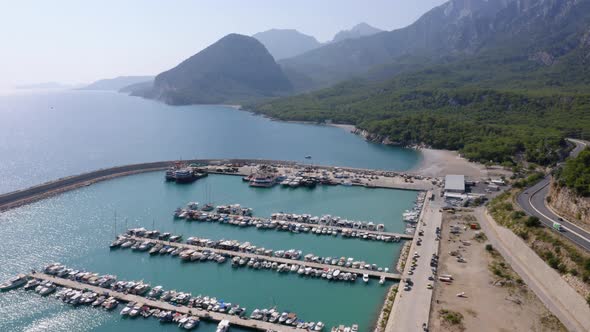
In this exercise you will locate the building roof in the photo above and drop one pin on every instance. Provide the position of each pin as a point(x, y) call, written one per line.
point(455, 182)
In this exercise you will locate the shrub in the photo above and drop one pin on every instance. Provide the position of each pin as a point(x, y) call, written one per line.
point(532, 221)
point(489, 247)
point(452, 317)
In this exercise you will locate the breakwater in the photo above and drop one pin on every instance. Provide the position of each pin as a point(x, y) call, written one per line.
point(32, 194)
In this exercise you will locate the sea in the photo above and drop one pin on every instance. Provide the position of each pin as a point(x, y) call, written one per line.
point(47, 135)
point(50, 135)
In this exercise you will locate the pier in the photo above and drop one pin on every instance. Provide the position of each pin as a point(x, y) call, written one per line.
point(202, 314)
point(341, 229)
point(371, 273)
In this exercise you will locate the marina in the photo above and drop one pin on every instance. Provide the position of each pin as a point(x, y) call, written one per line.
point(294, 223)
point(171, 306)
point(150, 206)
point(309, 266)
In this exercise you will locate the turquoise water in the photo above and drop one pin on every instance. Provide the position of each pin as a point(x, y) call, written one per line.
point(44, 136)
point(76, 228)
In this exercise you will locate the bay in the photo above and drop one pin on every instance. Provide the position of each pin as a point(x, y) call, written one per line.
point(48, 135)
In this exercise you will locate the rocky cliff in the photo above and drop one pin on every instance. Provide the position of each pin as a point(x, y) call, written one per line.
point(570, 205)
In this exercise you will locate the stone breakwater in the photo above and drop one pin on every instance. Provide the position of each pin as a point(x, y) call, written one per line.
point(42, 191)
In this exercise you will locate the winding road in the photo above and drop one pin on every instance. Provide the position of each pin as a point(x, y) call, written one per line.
point(532, 200)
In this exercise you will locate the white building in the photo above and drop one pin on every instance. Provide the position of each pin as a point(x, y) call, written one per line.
point(455, 184)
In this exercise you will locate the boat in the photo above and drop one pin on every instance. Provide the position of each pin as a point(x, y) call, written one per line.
point(365, 277)
point(184, 175)
point(318, 326)
point(191, 323)
point(262, 181)
point(223, 326)
point(170, 175)
point(208, 207)
point(14, 282)
point(126, 310)
point(32, 284)
point(308, 157)
point(155, 292)
point(110, 304)
point(382, 280)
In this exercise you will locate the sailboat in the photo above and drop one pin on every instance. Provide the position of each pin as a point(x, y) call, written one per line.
point(209, 205)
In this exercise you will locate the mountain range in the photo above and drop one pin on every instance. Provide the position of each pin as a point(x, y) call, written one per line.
point(287, 43)
point(542, 30)
point(358, 31)
point(499, 80)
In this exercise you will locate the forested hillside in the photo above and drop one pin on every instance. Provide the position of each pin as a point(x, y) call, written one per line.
point(488, 110)
point(576, 174)
point(513, 84)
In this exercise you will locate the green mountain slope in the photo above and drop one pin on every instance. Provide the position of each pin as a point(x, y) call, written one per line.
point(234, 69)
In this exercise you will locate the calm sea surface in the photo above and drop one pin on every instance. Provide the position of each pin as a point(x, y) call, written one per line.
point(76, 228)
point(47, 135)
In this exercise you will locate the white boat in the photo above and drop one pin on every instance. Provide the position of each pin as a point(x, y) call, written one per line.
point(365, 277)
point(14, 282)
point(125, 311)
point(223, 326)
point(191, 323)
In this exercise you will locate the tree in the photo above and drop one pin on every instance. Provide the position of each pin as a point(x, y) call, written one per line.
point(532, 221)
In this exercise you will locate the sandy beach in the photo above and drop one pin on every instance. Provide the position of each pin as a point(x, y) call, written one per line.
point(439, 163)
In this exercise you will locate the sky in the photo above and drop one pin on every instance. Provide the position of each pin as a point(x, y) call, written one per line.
point(73, 41)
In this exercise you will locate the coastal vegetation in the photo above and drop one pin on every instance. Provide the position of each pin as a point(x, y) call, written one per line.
point(483, 124)
point(576, 174)
point(510, 93)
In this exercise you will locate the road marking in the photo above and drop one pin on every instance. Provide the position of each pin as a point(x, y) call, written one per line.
point(541, 213)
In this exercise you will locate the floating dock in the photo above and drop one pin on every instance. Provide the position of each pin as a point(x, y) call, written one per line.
point(341, 229)
point(202, 314)
point(371, 273)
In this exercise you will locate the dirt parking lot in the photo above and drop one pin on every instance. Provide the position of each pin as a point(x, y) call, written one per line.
point(493, 297)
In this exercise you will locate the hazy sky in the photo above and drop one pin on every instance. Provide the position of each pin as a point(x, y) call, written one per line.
point(75, 41)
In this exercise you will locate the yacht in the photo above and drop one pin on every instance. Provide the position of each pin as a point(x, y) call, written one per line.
point(110, 304)
point(262, 181)
point(184, 175)
point(32, 284)
point(365, 277)
point(170, 176)
point(155, 292)
point(126, 310)
point(191, 323)
point(223, 326)
point(319, 326)
point(14, 282)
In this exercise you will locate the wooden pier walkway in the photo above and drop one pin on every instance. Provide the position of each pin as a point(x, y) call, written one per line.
point(202, 314)
point(340, 228)
point(231, 253)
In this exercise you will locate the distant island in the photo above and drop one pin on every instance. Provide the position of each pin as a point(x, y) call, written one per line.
point(117, 83)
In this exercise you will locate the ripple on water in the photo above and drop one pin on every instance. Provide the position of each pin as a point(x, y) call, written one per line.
point(75, 228)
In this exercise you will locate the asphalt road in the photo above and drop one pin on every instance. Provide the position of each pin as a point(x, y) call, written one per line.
point(532, 200)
